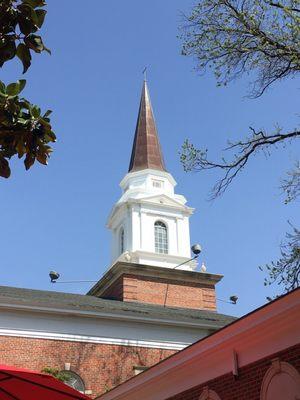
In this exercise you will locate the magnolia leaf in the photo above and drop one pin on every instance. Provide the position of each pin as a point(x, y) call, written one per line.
point(42, 158)
point(47, 50)
point(29, 161)
point(20, 148)
point(22, 84)
point(35, 3)
point(35, 111)
point(13, 89)
point(4, 168)
point(23, 53)
point(35, 43)
point(3, 88)
point(25, 24)
point(8, 51)
point(40, 17)
point(50, 136)
point(47, 113)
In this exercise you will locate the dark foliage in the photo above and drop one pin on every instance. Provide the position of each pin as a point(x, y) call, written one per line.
point(24, 131)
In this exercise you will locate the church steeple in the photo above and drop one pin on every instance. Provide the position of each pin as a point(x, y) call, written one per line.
point(146, 150)
point(151, 257)
point(150, 222)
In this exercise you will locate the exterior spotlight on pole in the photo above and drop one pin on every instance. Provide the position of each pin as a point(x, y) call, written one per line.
point(54, 276)
point(196, 249)
point(233, 299)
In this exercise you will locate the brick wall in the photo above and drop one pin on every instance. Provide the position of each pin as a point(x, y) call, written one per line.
point(248, 383)
point(161, 291)
point(100, 366)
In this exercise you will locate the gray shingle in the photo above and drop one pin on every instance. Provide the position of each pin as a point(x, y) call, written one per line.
point(81, 302)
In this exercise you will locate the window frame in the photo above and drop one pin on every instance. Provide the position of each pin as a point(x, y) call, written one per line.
point(121, 240)
point(78, 377)
point(161, 241)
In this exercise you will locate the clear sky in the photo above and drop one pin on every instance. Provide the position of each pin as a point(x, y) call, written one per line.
point(54, 217)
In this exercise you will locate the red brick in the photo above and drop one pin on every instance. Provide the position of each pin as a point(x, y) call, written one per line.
point(100, 366)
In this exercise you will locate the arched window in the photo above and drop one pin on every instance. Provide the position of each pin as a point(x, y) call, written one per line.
point(122, 241)
point(208, 394)
point(73, 380)
point(281, 381)
point(161, 237)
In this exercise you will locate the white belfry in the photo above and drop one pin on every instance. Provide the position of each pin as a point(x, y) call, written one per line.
point(150, 223)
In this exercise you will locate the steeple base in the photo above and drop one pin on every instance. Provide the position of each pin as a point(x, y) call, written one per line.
point(158, 285)
point(158, 260)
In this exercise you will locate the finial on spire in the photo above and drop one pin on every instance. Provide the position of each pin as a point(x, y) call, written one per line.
point(144, 73)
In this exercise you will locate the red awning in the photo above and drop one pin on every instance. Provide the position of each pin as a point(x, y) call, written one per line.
point(22, 384)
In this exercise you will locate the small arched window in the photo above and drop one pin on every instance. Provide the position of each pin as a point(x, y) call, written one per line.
point(208, 394)
point(73, 380)
point(281, 381)
point(160, 237)
point(122, 241)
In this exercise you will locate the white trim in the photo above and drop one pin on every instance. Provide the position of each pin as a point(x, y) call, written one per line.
point(92, 339)
point(55, 310)
point(147, 171)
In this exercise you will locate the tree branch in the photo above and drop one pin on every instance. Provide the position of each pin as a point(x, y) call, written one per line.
point(195, 159)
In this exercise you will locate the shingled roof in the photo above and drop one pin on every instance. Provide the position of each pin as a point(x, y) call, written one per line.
point(78, 302)
point(146, 150)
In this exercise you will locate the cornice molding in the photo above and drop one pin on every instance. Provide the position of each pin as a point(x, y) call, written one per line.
point(93, 339)
point(36, 307)
point(171, 274)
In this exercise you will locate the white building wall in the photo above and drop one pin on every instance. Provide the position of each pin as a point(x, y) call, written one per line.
point(98, 330)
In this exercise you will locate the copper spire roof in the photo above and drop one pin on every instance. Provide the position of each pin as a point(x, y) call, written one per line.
point(146, 151)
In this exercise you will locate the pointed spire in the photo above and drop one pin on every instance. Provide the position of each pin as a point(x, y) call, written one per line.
point(146, 151)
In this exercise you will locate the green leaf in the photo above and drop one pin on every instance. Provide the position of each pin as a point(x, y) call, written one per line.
point(26, 26)
point(35, 111)
point(23, 121)
point(13, 89)
point(35, 3)
point(35, 43)
point(4, 168)
point(33, 16)
point(29, 161)
point(40, 17)
point(22, 84)
point(42, 158)
point(47, 113)
point(8, 51)
point(23, 53)
point(50, 136)
point(3, 90)
point(47, 50)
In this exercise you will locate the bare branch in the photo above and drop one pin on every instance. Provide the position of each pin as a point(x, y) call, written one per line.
point(286, 270)
point(234, 37)
point(196, 160)
point(291, 185)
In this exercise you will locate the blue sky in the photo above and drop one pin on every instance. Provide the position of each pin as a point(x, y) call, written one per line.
point(54, 217)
